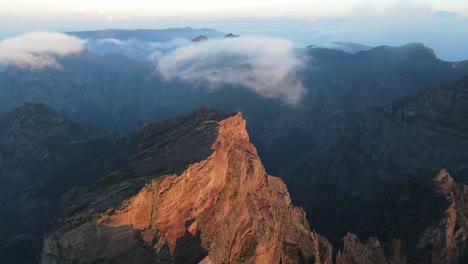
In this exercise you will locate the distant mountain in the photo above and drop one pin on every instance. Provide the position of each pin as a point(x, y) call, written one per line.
point(341, 87)
point(351, 47)
point(230, 35)
point(147, 35)
point(92, 89)
point(348, 47)
point(42, 156)
point(200, 38)
point(116, 92)
point(141, 44)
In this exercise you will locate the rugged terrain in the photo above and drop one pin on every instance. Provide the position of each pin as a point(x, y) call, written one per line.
point(422, 220)
point(222, 207)
point(358, 153)
point(42, 155)
point(196, 191)
point(388, 146)
point(115, 92)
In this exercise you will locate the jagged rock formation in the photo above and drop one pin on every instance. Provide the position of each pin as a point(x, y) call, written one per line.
point(356, 252)
point(43, 155)
point(222, 207)
point(445, 241)
point(414, 136)
point(423, 221)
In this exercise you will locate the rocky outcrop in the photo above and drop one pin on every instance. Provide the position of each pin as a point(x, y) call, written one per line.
point(220, 209)
point(445, 241)
point(356, 252)
point(435, 231)
point(404, 140)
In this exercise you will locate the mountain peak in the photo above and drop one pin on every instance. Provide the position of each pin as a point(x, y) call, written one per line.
point(200, 38)
point(223, 208)
point(233, 129)
point(37, 120)
point(230, 35)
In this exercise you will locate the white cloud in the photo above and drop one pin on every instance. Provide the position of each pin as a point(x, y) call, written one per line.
point(146, 45)
point(38, 50)
point(442, 14)
point(267, 66)
point(397, 23)
point(134, 48)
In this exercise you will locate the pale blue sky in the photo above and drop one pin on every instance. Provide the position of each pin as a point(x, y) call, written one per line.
point(239, 8)
point(115, 9)
point(441, 24)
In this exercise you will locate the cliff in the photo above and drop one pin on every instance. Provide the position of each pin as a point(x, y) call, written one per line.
point(221, 208)
point(388, 146)
point(430, 225)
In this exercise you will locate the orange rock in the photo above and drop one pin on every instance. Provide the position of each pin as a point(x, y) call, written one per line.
point(224, 209)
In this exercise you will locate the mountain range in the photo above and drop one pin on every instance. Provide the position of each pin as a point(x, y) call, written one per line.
point(386, 149)
point(149, 35)
point(374, 153)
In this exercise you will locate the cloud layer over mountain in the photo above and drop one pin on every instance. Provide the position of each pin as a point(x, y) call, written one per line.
point(38, 50)
point(134, 48)
point(267, 66)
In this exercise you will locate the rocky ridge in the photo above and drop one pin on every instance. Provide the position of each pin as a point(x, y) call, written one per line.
point(430, 226)
point(389, 145)
point(222, 208)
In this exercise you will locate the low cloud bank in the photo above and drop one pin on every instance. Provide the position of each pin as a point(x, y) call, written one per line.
point(267, 66)
point(133, 48)
point(38, 50)
point(396, 23)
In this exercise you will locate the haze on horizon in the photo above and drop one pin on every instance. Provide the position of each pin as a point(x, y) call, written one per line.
point(439, 24)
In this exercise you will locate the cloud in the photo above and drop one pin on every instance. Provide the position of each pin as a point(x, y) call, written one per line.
point(267, 66)
point(446, 14)
point(38, 50)
point(95, 13)
point(396, 23)
point(134, 48)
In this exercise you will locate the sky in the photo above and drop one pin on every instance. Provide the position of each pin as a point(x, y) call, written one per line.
point(238, 8)
point(439, 24)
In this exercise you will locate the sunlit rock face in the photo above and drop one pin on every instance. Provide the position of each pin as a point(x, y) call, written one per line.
point(222, 207)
